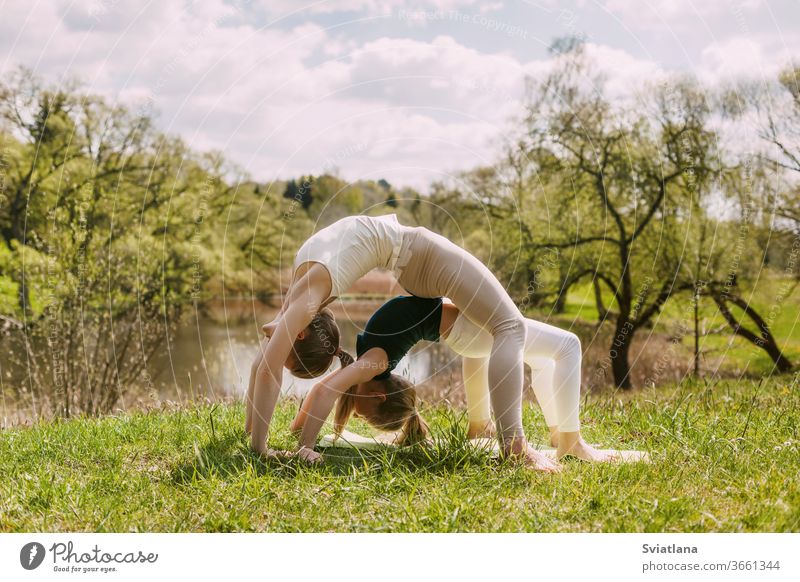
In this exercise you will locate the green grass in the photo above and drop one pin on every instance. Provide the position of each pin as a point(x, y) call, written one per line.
point(725, 458)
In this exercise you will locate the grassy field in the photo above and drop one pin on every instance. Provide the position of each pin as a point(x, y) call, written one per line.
point(726, 457)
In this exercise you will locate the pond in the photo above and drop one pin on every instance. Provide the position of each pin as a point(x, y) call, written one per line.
point(210, 356)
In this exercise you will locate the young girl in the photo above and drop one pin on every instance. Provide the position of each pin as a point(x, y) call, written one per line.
point(387, 401)
point(426, 265)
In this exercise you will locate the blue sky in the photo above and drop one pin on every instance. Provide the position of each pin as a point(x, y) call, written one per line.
point(410, 91)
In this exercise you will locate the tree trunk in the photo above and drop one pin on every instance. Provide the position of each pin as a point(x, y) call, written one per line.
point(764, 339)
point(696, 300)
point(602, 310)
point(620, 349)
point(24, 298)
point(561, 302)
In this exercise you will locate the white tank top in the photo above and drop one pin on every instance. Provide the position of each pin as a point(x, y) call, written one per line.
point(353, 246)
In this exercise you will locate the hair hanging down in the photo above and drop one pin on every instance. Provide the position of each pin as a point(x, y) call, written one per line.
point(314, 353)
point(397, 412)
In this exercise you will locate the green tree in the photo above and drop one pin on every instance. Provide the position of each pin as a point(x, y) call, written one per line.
point(104, 223)
point(624, 178)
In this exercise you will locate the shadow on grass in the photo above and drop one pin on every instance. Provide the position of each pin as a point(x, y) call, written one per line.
point(229, 455)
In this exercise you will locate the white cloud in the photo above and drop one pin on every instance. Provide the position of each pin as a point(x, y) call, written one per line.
point(747, 58)
point(625, 73)
point(287, 101)
point(439, 74)
point(735, 57)
point(659, 12)
point(372, 7)
point(254, 93)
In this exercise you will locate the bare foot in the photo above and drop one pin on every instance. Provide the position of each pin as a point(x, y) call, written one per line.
point(520, 450)
point(309, 455)
point(585, 452)
point(478, 430)
point(275, 454)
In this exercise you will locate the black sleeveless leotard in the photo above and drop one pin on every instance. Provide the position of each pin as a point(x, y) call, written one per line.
point(398, 325)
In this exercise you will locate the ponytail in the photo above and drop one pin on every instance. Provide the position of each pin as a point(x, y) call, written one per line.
point(398, 412)
point(345, 359)
point(415, 430)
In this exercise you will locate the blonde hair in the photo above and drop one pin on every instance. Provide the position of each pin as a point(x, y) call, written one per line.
point(312, 355)
point(397, 412)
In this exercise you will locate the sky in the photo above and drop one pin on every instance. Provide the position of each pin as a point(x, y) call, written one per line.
point(407, 91)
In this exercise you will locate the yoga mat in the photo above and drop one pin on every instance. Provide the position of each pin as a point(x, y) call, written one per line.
point(351, 440)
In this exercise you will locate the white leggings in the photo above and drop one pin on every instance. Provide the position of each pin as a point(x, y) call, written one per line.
point(554, 356)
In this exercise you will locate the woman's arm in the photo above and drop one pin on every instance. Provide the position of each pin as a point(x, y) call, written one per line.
point(298, 314)
point(251, 386)
point(318, 404)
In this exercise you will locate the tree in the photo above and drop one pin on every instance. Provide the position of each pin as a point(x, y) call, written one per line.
point(781, 129)
point(104, 227)
point(625, 178)
point(301, 193)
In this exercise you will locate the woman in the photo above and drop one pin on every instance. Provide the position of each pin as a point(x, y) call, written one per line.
point(426, 265)
point(387, 401)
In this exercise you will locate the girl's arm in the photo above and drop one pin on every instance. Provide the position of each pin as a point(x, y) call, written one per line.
point(304, 303)
point(318, 404)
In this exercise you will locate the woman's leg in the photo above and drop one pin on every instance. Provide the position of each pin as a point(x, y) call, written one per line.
point(437, 267)
point(475, 372)
point(474, 344)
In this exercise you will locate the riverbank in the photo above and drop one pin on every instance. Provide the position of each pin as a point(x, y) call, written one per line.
point(724, 459)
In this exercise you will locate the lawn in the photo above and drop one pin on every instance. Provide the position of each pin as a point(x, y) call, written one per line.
point(725, 458)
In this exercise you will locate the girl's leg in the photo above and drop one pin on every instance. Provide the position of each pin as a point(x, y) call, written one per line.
point(558, 388)
point(475, 372)
point(542, 370)
point(560, 397)
point(474, 344)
